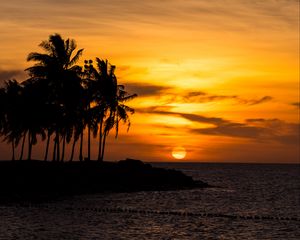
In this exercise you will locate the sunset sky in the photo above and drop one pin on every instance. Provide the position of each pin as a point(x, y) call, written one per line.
point(219, 78)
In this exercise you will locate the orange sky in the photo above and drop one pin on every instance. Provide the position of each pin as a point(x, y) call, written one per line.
point(220, 78)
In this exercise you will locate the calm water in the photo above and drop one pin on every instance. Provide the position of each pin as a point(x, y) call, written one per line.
point(241, 190)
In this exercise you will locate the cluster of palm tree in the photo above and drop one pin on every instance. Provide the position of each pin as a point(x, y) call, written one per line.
point(60, 100)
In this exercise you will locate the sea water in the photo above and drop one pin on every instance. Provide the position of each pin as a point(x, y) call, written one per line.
point(247, 201)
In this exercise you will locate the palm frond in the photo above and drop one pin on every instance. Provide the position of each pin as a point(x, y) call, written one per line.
point(47, 47)
point(127, 98)
point(58, 47)
point(127, 109)
point(40, 57)
point(75, 58)
point(76, 69)
point(71, 46)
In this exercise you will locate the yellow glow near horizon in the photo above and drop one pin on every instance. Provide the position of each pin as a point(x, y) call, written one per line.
point(179, 153)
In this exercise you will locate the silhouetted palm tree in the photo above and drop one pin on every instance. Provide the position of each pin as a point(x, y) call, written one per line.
point(3, 102)
point(11, 120)
point(109, 99)
point(118, 112)
point(57, 69)
point(11, 115)
point(2, 106)
point(89, 96)
point(35, 112)
point(99, 111)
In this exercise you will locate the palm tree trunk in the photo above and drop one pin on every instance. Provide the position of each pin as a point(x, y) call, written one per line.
point(73, 148)
point(54, 150)
point(47, 147)
point(29, 145)
point(103, 146)
point(89, 131)
point(22, 148)
point(89, 142)
point(57, 147)
point(80, 150)
point(100, 140)
point(63, 148)
point(13, 149)
point(106, 131)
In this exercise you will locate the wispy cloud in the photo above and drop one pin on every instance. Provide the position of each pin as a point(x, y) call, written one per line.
point(255, 101)
point(296, 104)
point(271, 130)
point(145, 90)
point(233, 130)
point(202, 97)
point(205, 97)
point(170, 95)
point(155, 109)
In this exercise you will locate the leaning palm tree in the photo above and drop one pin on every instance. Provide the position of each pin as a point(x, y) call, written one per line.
point(57, 70)
point(118, 112)
point(109, 98)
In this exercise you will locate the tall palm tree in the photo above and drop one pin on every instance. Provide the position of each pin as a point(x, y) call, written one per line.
point(57, 69)
point(89, 96)
point(109, 99)
point(118, 112)
point(11, 113)
point(2, 110)
point(37, 114)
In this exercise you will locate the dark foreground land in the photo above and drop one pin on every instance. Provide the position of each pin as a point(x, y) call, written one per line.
point(39, 180)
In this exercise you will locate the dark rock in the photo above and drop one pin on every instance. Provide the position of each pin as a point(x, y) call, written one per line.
point(40, 179)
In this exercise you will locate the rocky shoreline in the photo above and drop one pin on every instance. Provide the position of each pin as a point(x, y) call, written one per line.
point(36, 180)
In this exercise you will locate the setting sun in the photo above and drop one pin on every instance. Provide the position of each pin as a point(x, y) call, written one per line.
point(179, 152)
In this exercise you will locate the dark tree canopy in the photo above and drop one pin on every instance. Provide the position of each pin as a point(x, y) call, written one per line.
point(61, 99)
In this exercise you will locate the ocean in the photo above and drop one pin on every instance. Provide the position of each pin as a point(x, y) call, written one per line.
point(247, 201)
